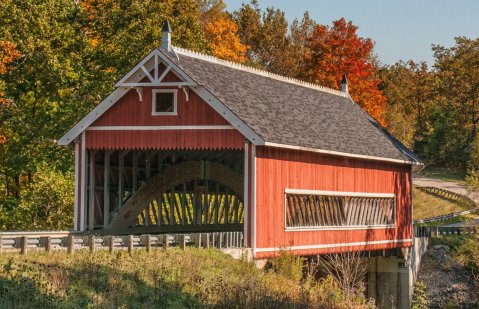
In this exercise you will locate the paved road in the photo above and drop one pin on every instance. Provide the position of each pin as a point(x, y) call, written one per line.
point(450, 186)
point(446, 185)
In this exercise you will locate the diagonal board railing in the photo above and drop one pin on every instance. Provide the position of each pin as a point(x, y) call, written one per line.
point(454, 197)
point(24, 242)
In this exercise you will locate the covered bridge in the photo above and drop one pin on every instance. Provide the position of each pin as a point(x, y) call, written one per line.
point(190, 143)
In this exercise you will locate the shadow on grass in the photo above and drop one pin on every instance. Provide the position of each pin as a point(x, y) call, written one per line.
point(33, 284)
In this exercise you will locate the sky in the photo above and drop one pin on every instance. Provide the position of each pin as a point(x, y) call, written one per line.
point(401, 29)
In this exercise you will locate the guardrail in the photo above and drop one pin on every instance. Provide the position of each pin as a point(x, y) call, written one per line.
point(24, 242)
point(454, 197)
point(436, 231)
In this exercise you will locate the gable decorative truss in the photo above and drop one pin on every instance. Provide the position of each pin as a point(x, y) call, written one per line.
point(149, 67)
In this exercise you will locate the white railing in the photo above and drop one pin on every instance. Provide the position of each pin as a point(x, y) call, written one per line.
point(24, 242)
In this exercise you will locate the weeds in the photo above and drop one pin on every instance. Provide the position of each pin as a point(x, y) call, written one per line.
point(194, 278)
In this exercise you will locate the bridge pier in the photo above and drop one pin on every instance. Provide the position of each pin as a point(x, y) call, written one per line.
point(389, 282)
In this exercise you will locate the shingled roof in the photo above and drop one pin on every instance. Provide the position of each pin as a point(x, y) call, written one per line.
point(287, 112)
point(271, 110)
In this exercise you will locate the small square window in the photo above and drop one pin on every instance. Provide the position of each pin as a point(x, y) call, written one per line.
point(164, 102)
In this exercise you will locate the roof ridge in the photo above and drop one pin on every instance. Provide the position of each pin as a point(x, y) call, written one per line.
point(242, 67)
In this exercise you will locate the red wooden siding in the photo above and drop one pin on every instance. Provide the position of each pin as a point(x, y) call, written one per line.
point(171, 139)
point(129, 111)
point(278, 169)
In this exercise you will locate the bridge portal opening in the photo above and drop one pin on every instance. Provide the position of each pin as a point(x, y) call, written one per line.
point(164, 191)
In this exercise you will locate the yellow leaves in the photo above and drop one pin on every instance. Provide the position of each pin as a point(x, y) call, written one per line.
point(109, 70)
point(223, 39)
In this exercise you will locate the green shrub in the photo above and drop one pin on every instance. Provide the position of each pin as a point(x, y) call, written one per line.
point(46, 205)
point(419, 298)
point(288, 265)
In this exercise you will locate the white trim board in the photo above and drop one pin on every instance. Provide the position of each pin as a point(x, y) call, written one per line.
point(253, 199)
point(77, 168)
point(246, 191)
point(158, 128)
point(339, 245)
point(83, 181)
point(339, 153)
point(338, 193)
point(339, 228)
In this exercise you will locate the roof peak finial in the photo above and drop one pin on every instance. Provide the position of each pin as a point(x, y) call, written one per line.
point(166, 26)
point(166, 39)
point(344, 84)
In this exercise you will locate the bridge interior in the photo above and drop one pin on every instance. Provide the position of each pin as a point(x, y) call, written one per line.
point(164, 191)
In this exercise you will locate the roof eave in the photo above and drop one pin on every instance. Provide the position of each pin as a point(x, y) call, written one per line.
point(342, 154)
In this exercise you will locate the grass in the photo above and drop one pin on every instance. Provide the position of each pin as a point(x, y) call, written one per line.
point(452, 241)
point(193, 278)
point(426, 205)
point(445, 173)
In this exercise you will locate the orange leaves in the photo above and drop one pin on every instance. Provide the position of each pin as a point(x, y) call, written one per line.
point(8, 53)
point(338, 49)
point(223, 39)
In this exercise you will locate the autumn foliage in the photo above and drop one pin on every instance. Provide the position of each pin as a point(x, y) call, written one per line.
point(337, 50)
point(8, 54)
point(223, 39)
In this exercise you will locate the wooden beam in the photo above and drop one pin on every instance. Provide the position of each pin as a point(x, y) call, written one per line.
point(121, 167)
point(91, 191)
point(180, 229)
point(134, 171)
point(106, 189)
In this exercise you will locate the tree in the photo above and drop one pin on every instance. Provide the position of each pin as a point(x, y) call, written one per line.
point(336, 50)
point(221, 32)
point(266, 35)
point(409, 90)
point(8, 53)
point(46, 205)
point(301, 33)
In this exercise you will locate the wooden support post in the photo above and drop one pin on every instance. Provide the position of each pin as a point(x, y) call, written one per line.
point(197, 239)
point(106, 190)
point(166, 241)
point(134, 171)
point(148, 243)
point(91, 191)
point(24, 245)
point(91, 243)
point(205, 241)
point(182, 241)
point(130, 244)
point(1, 244)
point(71, 244)
point(121, 167)
point(148, 166)
point(48, 244)
point(111, 243)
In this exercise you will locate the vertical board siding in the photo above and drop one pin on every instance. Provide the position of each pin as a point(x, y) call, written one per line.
point(129, 111)
point(278, 169)
point(172, 139)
